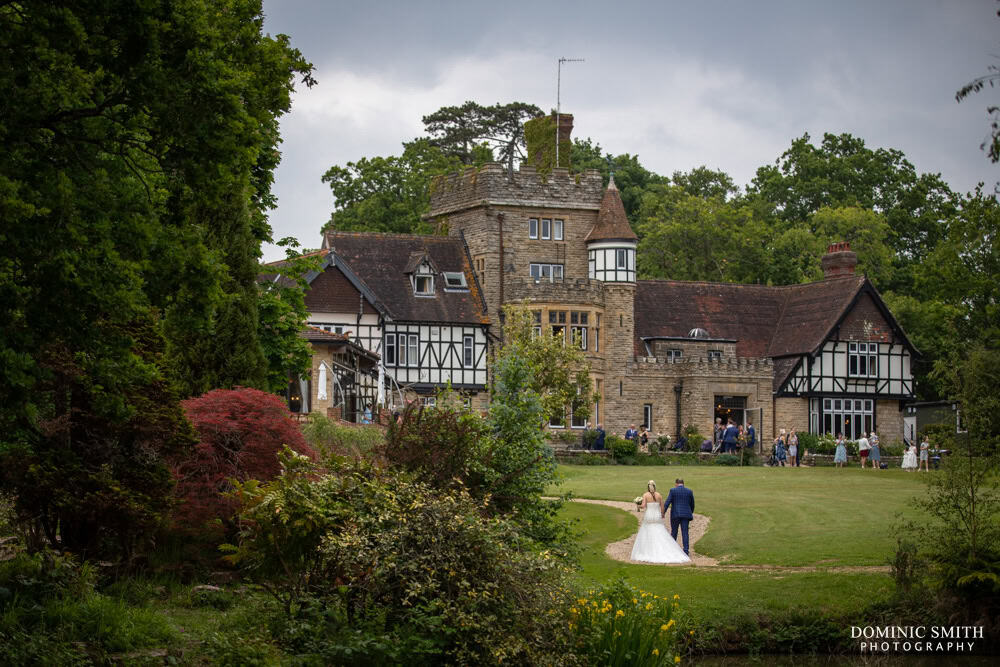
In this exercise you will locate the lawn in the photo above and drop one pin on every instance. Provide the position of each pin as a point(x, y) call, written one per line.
point(774, 516)
point(708, 593)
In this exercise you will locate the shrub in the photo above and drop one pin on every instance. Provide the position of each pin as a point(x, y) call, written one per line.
point(895, 448)
point(620, 447)
point(649, 460)
point(331, 438)
point(622, 625)
point(808, 442)
point(727, 460)
point(240, 433)
point(377, 549)
point(589, 438)
point(661, 444)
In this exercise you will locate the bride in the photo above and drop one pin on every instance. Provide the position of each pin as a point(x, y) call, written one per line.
point(654, 544)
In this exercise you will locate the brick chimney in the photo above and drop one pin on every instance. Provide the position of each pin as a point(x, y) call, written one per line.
point(838, 261)
point(565, 130)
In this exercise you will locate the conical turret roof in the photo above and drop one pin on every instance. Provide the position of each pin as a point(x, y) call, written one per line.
point(611, 220)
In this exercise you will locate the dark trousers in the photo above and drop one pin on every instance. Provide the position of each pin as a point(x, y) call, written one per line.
point(683, 524)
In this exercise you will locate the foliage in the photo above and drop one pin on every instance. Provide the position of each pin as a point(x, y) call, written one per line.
point(631, 178)
point(388, 194)
point(621, 448)
point(558, 373)
point(50, 598)
point(387, 549)
point(240, 433)
point(843, 172)
point(282, 315)
point(132, 222)
point(92, 476)
point(962, 539)
point(727, 460)
point(448, 446)
point(540, 139)
point(460, 131)
point(618, 624)
point(808, 442)
point(332, 439)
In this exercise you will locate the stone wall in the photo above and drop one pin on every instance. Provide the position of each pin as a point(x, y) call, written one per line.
point(790, 414)
point(889, 421)
point(492, 185)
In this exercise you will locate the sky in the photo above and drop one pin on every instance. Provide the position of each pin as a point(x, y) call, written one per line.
point(727, 85)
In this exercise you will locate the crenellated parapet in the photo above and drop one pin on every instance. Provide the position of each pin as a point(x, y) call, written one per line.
point(491, 185)
point(725, 364)
point(580, 290)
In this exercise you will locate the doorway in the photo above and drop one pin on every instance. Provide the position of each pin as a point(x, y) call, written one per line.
point(730, 407)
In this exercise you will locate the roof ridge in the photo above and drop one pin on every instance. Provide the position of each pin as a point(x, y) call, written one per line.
point(393, 235)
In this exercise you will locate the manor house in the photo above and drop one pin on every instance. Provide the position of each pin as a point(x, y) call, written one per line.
point(825, 357)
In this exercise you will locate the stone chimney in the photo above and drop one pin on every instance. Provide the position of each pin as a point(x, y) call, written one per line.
point(539, 136)
point(838, 261)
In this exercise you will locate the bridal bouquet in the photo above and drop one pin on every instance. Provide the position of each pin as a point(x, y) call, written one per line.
point(637, 501)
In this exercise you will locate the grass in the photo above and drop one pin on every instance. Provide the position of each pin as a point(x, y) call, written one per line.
point(713, 594)
point(774, 516)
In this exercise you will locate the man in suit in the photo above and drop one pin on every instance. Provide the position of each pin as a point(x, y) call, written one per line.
point(730, 437)
point(751, 437)
point(680, 500)
point(599, 440)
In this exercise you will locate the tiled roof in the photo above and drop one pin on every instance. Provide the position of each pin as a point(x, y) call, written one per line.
point(317, 335)
point(611, 220)
point(744, 313)
point(380, 261)
point(777, 322)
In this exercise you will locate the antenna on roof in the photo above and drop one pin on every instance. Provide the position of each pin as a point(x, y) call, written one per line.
point(558, 98)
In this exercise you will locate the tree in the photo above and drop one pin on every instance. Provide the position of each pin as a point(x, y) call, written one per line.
point(132, 216)
point(843, 172)
point(463, 131)
point(631, 178)
point(282, 316)
point(388, 194)
point(240, 433)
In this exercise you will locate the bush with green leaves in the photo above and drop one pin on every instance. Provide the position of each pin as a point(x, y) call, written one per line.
point(375, 548)
point(619, 624)
point(727, 460)
point(808, 442)
point(621, 448)
point(332, 438)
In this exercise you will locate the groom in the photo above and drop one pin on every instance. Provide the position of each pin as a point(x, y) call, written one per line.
point(680, 500)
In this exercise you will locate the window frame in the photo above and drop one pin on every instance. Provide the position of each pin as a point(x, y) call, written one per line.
point(546, 230)
point(468, 350)
point(533, 228)
point(621, 259)
point(459, 276)
point(647, 416)
point(390, 344)
point(714, 354)
point(557, 229)
point(416, 284)
point(413, 345)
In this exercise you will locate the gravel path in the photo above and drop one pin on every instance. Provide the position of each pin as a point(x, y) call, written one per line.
point(621, 550)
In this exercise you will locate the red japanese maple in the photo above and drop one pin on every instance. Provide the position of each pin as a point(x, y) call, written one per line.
point(240, 433)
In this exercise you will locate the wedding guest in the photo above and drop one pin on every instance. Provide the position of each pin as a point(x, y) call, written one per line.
point(910, 459)
point(751, 436)
point(793, 449)
point(717, 432)
point(779, 449)
point(864, 449)
point(643, 439)
point(730, 437)
point(840, 457)
point(599, 440)
point(875, 456)
point(925, 448)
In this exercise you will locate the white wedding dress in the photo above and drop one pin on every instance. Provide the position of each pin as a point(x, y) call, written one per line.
point(910, 459)
point(654, 544)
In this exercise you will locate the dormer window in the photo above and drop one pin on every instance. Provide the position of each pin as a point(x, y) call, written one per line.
point(455, 280)
point(423, 285)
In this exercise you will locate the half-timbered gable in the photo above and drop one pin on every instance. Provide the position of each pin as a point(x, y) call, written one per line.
point(431, 318)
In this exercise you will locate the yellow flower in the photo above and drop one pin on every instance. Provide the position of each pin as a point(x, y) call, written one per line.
point(677, 597)
point(619, 613)
point(649, 605)
point(634, 601)
point(677, 659)
point(664, 628)
point(656, 651)
point(671, 623)
point(691, 633)
point(573, 609)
